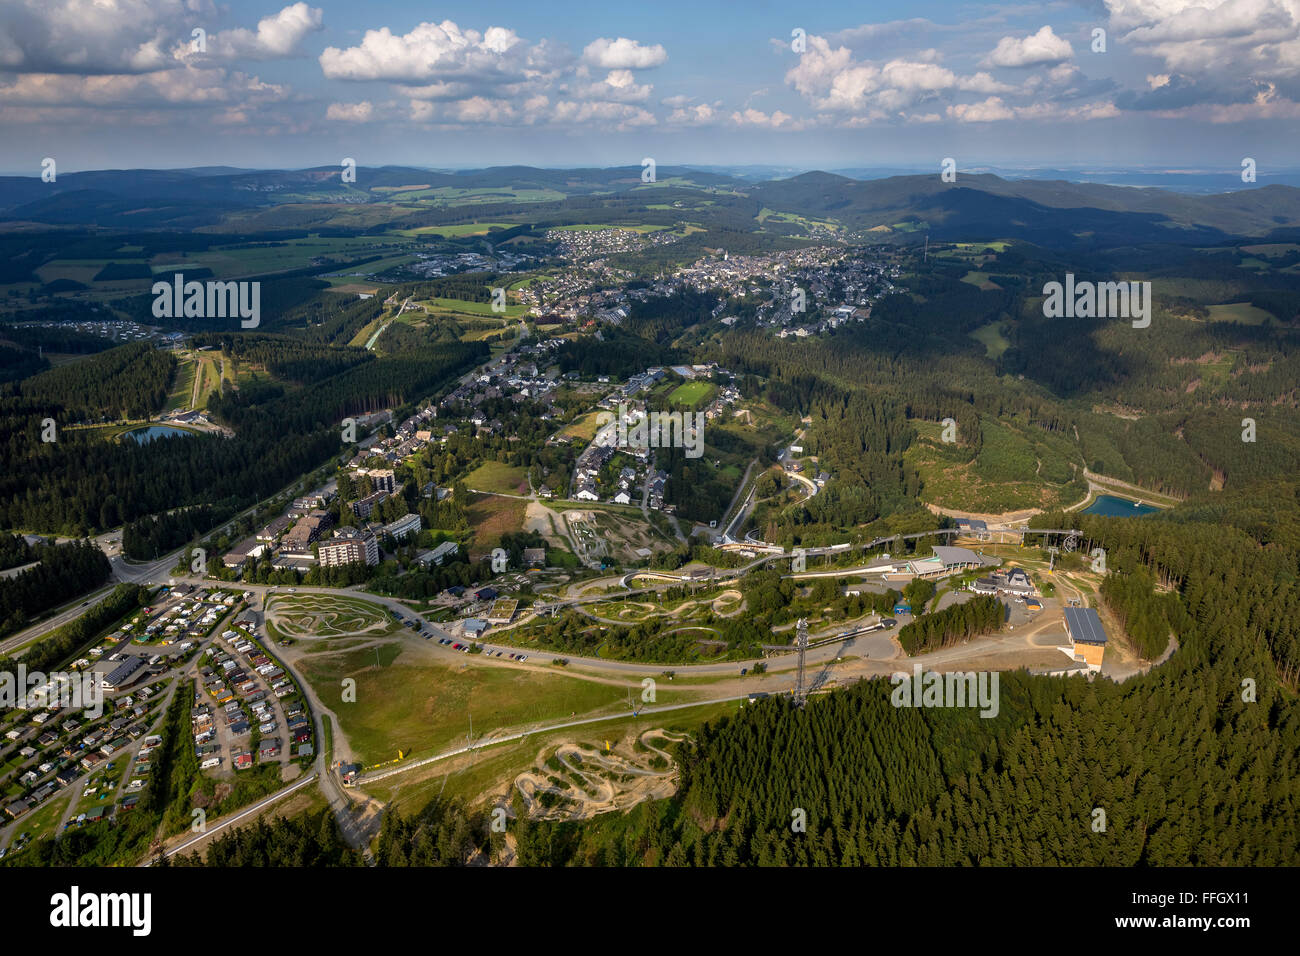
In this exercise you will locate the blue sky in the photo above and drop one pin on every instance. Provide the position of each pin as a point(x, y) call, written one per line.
point(122, 83)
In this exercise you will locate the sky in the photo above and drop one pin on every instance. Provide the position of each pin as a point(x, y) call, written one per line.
point(1153, 84)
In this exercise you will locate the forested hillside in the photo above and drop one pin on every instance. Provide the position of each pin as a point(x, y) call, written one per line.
point(64, 572)
point(1187, 771)
point(80, 483)
point(123, 383)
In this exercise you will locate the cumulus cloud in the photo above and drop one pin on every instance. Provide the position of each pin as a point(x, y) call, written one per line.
point(623, 54)
point(994, 110)
point(698, 114)
point(455, 75)
point(834, 81)
point(1037, 48)
point(107, 36)
point(431, 51)
point(619, 85)
point(984, 83)
point(753, 117)
point(618, 115)
point(276, 36)
point(1259, 37)
point(988, 111)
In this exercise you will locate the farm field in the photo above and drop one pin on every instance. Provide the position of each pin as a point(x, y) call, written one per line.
point(456, 231)
point(458, 196)
point(260, 259)
point(980, 280)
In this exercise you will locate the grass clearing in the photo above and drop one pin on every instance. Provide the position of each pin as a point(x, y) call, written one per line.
point(423, 707)
point(1241, 312)
point(499, 477)
point(491, 516)
point(493, 770)
point(992, 338)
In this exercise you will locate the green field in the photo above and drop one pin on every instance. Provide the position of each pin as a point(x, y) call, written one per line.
point(992, 338)
point(981, 247)
point(422, 708)
point(467, 307)
point(766, 215)
point(460, 196)
point(498, 477)
point(693, 394)
point(234, 261)
point(600, 226)
point(182, 389)
point(980, 280)
point(584, 427)
point(1242, 312)
point(493, 769)
point(1016, 469)
point(458, 230)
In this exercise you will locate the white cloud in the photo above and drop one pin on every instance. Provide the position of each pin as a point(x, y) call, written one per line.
point(983, 83)
point(276, 36)
point(1037, 48)
point(623, 54)
point(753, 117)
point(620, 85)
point(994, 110)
point(350, 112)
point(431, 51)
point(835, 82)
point(1223, 37)
point(699, 114)
point(990, 110)
point(100, 37)
point(187, 87)
point(617, 115)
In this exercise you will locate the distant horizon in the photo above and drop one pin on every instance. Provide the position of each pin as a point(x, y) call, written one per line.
point(779, 170)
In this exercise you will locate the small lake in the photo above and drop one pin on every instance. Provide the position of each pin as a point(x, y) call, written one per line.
point(143, 436)
point(1109, 506)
